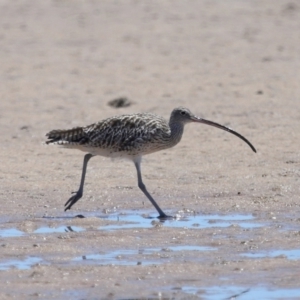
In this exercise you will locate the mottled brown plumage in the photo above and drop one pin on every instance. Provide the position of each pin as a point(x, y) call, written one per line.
point(128, 136)
point(120, 136)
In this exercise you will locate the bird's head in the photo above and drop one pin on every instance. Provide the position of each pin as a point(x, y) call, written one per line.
point(183, 116)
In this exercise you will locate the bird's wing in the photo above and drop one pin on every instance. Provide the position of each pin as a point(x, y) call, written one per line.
point(127, 132)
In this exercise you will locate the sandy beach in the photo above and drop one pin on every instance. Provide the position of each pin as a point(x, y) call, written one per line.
point(238, 228)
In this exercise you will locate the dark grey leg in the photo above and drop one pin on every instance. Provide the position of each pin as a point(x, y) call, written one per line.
point(79, 193)
point(144, 190)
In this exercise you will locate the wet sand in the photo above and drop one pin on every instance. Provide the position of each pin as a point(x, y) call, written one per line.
point(235, 63)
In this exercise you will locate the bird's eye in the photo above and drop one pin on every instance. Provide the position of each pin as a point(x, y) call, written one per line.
point(182, 113)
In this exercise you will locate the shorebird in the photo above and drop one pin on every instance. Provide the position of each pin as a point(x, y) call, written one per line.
point(131, 137)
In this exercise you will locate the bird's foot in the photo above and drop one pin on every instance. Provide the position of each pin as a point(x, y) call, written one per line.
point(163, 217)
point(80, 216)
point(73, 200)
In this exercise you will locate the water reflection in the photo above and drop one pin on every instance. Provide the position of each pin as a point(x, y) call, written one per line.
point(132, 220)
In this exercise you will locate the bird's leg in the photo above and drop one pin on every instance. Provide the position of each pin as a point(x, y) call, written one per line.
point(79, 193)
point(141, 185)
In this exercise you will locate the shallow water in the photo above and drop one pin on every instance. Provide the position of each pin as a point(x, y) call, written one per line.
point(243, 293)
point(60, 229)
point(120, 257)
point(14, 232)
point(188, 248)
point(11, 232)
point(21, 264)
point(289, 254)
point(134, 220)
point(143, 256)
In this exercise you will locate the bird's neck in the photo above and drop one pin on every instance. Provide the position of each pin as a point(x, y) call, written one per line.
point(176, 132)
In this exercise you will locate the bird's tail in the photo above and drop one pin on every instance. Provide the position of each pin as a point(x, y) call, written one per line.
point(67, 137)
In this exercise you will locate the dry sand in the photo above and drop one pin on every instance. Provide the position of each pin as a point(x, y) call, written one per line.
point(233, 62)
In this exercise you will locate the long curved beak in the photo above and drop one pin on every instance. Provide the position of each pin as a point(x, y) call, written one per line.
point(207, 122)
